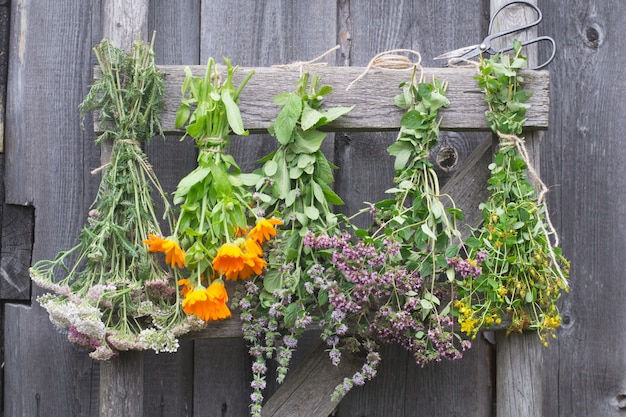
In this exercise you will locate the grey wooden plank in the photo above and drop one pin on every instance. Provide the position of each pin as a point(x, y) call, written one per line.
point(53, 377)
point(168, 378)
point(122, 380)
point(4, 61)
point(256, 34)
point(372, 96)
point(47, 155)
point(402, 388)
point(15, 252)
point(519, 357)
point(308, 389)
point(121, 385)
point(583, 163)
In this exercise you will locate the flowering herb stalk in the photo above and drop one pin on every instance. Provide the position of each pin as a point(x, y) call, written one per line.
point(522, 272)
point(385, 286)
point(294, 183)
point(215, 204)
point(108, 290)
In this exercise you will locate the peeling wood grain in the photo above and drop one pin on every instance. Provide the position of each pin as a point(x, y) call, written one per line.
point(16, 251)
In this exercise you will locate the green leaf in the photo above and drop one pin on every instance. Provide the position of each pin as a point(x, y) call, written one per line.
point(412, 120)
point(318, 192)
point(290, 314)
point(308, 141)
point(232, 113)
point(272, 281)
point(310, 117)
point(330, 195)
point(334, 113)
point(282, 182)
point(312, 212)
point(270, 168)
point(182, 115)
point(428, 231)
point(287, 119)
point(194, 177)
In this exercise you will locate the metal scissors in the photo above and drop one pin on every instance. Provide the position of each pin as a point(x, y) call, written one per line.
point(486, 47)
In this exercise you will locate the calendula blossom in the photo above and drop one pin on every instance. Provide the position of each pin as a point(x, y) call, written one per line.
point(230, 258)
point(174, 255)
point(251, 258)
point(208, 304)
point(264, 229)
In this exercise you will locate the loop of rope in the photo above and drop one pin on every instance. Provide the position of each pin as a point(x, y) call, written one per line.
point(313, 62)
point(390, 60)
point(462, 63)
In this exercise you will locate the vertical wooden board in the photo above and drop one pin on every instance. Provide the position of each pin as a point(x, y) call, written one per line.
point(52, 376)
point(437, 389)
point(431, 28)
point(222, 378)
point(47, 155)
point(260, 33)
point(371, 28)
point(168, 378)
point(266, 33)
point(583, 163)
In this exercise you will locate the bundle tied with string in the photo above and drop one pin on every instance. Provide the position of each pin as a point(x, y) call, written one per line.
point(107, 291)
point(514, 141)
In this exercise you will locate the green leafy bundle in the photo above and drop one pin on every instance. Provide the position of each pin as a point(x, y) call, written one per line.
point(523, 272)
point(293, 184)
point(214, 203)
point(109, 292)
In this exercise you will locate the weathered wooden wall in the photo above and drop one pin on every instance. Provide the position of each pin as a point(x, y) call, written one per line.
point(47, 159)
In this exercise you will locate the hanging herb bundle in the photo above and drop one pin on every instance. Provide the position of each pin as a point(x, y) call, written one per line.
point(215, 205)
point(294, 184)
point(385, 286)
point(523, 272)
point(108, 291)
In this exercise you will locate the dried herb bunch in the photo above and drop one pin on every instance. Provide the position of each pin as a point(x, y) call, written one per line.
point(523, 271)
point(294, 184)
point(108, 290)
point(385, 283)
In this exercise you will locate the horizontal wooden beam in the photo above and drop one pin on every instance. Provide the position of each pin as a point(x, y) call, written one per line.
point(372, 95)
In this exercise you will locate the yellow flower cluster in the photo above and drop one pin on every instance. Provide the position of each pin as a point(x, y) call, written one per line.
point(466, 318)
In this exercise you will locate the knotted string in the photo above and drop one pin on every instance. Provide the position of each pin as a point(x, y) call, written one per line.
point(313, 62)
point(390, 60)
point(103, 166)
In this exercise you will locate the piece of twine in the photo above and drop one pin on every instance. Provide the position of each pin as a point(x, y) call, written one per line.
point(392, 61)
point(204, 141)
point(103, 166)
point(313, 62)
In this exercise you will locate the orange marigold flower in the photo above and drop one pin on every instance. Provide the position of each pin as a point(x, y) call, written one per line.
point(253, 265)
point(229, 258)
point(253, 261)
point(208, 303)
point(264, 229)
point(218, 298)
point(187, 287)
point(174, 255)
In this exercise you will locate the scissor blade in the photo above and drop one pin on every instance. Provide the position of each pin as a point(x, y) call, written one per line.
point(458, 53)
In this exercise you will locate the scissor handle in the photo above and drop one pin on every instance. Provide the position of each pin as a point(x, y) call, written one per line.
point(516, 28)
point(536, 40)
